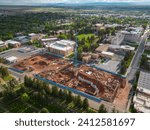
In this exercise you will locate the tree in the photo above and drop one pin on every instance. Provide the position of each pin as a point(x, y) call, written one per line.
point(4, 72)
point(85, 104)
point(69, 97)
point(78, 101)
point(102, 109)
point(54, 91)
point(25, 97)
point(44, 110)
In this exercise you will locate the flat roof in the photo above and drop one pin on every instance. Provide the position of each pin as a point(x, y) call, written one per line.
point(12, 42)
point(102, 47)
point(1, 42)
point(60, 47)
point(108, 53)
point(144, 81)
point(11, 58)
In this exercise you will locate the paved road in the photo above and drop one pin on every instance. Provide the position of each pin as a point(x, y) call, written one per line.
point(136, 61)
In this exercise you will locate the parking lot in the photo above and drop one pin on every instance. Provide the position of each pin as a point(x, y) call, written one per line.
point(21, 53)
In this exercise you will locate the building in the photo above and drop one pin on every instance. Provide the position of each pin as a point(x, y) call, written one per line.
point(3, 44)
point(46, 41)
point(22, 39)
point(142, 98)
point(147, 46)
point(102, 47)
point(63, 47)
point(13, 43)
point(107, 54)
point(131, 36)
point(33, 36)
point(120, 49)
point(11, 59)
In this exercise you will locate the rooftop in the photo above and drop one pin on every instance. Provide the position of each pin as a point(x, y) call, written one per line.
point(1, 42)
point(12, 42)
point(144, 82)
point(102, 47)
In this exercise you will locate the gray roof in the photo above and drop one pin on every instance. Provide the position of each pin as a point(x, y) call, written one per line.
point(144, 80)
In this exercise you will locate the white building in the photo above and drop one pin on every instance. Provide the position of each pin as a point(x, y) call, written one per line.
point(3, 44)
point(142, 98)
point(131, 36)
point(11, 59)
point(13, 43)
point(63, 47)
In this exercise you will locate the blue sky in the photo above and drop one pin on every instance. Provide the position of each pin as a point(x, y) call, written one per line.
point(64, 1)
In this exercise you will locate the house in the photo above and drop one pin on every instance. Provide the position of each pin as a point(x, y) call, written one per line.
point(142, 98)
point(12, 43)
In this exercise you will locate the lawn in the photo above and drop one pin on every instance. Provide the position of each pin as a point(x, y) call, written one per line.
point(82, 36)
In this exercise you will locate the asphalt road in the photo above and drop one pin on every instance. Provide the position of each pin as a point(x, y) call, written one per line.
point(136, 61)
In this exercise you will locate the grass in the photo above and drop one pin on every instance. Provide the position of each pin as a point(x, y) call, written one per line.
point(81, 36)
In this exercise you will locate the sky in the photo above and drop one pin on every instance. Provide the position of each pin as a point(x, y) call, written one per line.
point(64, 1)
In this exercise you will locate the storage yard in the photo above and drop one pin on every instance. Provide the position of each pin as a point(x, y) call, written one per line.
point(83, 78)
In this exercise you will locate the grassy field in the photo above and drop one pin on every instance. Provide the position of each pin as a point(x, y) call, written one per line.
point(82, 36)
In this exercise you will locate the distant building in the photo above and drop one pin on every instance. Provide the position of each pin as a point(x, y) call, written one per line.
point(102, 47)
point(131, 36)
point(11, 59)
point(142, 98)
point(63, 47)
point(46, 41)
point(22, 39)
point(3, 44)
point(34, 36)
point(147, 46)
point(120, 49)
point(12, 43)
point(107, 54)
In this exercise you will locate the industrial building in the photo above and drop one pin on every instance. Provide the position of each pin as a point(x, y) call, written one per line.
point(63, 47)
point(142, 98)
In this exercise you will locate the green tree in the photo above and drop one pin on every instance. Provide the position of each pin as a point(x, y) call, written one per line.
point(44, 110)
point(25, 97)
point(102, 109)
point(85, 104)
